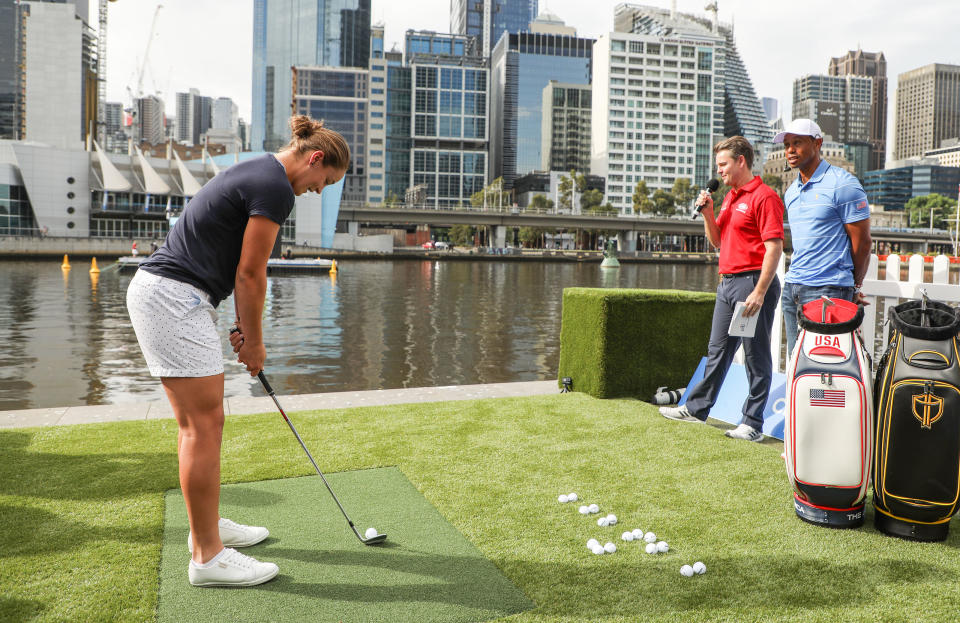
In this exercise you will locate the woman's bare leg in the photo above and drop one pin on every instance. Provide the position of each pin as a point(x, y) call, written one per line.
point(198, 406)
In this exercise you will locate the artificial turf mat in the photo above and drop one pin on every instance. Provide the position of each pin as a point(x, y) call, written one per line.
point(425, 571)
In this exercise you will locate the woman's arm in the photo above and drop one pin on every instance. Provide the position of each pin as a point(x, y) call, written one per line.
point(250, 289)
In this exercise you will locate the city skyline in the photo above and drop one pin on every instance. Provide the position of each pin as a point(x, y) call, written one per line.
point(187, 31)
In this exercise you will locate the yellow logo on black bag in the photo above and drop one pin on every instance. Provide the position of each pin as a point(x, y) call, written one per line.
point(930, 408)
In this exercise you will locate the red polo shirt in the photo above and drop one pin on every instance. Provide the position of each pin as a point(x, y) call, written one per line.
point(749, 215)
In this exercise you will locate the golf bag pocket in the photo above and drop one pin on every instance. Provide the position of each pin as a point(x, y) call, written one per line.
point(828, 430)
point(917, 448)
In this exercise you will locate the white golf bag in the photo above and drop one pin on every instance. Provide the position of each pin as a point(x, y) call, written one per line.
point(828, 432)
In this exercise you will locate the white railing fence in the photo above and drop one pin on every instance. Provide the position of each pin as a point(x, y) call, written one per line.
point(883, 292)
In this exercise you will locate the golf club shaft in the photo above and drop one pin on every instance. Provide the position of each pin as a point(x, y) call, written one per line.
point(270, 392)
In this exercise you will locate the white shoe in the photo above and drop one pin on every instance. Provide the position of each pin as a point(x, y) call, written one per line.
point(233, 534)
point(680, 414)
point(231, 568)
point(745, 432)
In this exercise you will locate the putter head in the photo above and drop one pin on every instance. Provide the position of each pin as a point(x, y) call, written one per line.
point(376, 540)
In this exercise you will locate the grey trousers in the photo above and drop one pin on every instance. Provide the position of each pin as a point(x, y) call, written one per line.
point(723, 347)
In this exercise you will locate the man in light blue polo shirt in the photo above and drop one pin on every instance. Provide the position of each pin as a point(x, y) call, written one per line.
point(829, 224)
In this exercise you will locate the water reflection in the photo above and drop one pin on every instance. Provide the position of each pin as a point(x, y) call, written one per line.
point(65, 338)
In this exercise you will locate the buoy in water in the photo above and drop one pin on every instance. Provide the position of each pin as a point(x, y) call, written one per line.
point(93, 267)
point(66, 262)
point(333, 266)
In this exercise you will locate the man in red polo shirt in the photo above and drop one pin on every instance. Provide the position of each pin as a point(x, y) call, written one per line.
point(749, 233)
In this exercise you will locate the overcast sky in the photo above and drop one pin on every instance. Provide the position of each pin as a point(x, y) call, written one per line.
point(206, 44)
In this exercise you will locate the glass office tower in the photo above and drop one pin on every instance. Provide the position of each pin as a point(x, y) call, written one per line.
point(489, 19)
point(521, 66)
point(287, 33)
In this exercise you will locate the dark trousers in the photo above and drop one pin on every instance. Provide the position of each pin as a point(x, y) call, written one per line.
point(723, 347)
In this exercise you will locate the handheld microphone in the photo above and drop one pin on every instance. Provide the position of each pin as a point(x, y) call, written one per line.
point(712, 187)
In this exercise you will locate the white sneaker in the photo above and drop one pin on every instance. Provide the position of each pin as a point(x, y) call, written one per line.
point(745, 432)
point(680, 414)
point(236, 535)
point(231, 568)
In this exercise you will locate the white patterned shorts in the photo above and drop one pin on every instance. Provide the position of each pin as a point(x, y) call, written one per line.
point(175, 325)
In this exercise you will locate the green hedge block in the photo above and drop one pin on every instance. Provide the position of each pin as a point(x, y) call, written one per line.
point(627, 343)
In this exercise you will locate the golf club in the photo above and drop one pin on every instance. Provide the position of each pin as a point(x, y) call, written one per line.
point(375, 540)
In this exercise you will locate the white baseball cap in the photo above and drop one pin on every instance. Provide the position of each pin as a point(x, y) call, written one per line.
point(800, 127)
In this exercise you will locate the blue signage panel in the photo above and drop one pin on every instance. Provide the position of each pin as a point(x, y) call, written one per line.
point(733, 392)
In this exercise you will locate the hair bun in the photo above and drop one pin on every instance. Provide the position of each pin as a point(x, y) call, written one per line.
point(302, 126)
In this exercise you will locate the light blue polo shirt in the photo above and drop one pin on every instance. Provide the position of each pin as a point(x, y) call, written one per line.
point(818, 211)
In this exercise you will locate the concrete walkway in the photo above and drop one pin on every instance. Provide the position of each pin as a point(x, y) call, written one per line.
point(303, 402)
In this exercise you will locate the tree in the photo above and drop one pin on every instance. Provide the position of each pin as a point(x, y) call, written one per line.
point(663, 202)
point(461, 235)
point(393, 200)
point(565, 192)
point(590, 201)
point(541, 202)
point(494, 195)
point(718, 196)
point(683, 192)
point(531, 237)
point(919, 210)
point(641, 198)
point(774, 181)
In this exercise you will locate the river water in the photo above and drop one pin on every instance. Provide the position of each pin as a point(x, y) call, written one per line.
point(66, 340)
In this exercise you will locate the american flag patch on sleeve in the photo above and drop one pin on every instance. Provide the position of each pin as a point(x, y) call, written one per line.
point(827, 398)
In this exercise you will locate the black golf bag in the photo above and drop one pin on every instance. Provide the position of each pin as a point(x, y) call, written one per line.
point(828, 434)
point(916, 472)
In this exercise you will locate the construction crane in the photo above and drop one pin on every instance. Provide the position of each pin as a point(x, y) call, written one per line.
point(146, 55)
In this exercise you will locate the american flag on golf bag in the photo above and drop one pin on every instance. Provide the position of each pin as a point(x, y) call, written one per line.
point(827, 398)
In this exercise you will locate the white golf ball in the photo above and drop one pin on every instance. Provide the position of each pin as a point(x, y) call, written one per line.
point(650, 537)
point(594, 508)
point(699, 567)
point(662, 547)
point(627, 536)
point(592, 543)
point(609, 548)
point(572, 497)
point(370, 533)
point(651, 548)
point(686, 571)
point(603, 522)
point(637, 533)
point(612, 519)
point(563, 499)
point(598, 550)
point(584, 510)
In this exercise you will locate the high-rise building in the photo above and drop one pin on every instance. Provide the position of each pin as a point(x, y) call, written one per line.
point(842, 107)
point(449, 103)
point(194, 117)
point(11, 76)
point(565, 127)
point(338, 95)
point(771, 108)
point(307, 33)
point(874, 65)
point(150, 121)
point(57, 63)
point(521, 66)
point(399, 130)
point(116, 137)
point(737, 107)
point(224, 114)
point(487, 20)
point(655, 111)
point(377, 119)
point(928, 109)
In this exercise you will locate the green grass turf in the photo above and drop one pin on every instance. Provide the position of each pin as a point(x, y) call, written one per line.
point(425, 571)
point(81, 510)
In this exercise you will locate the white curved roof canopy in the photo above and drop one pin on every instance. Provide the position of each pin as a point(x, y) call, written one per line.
point(113, 180)
point(153, 184)
point(190, 184)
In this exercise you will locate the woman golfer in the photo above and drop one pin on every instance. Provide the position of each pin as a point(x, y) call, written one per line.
point(220, 244)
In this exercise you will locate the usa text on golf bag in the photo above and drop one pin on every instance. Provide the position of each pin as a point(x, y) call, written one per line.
point(828, 431)
point(917, 453)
